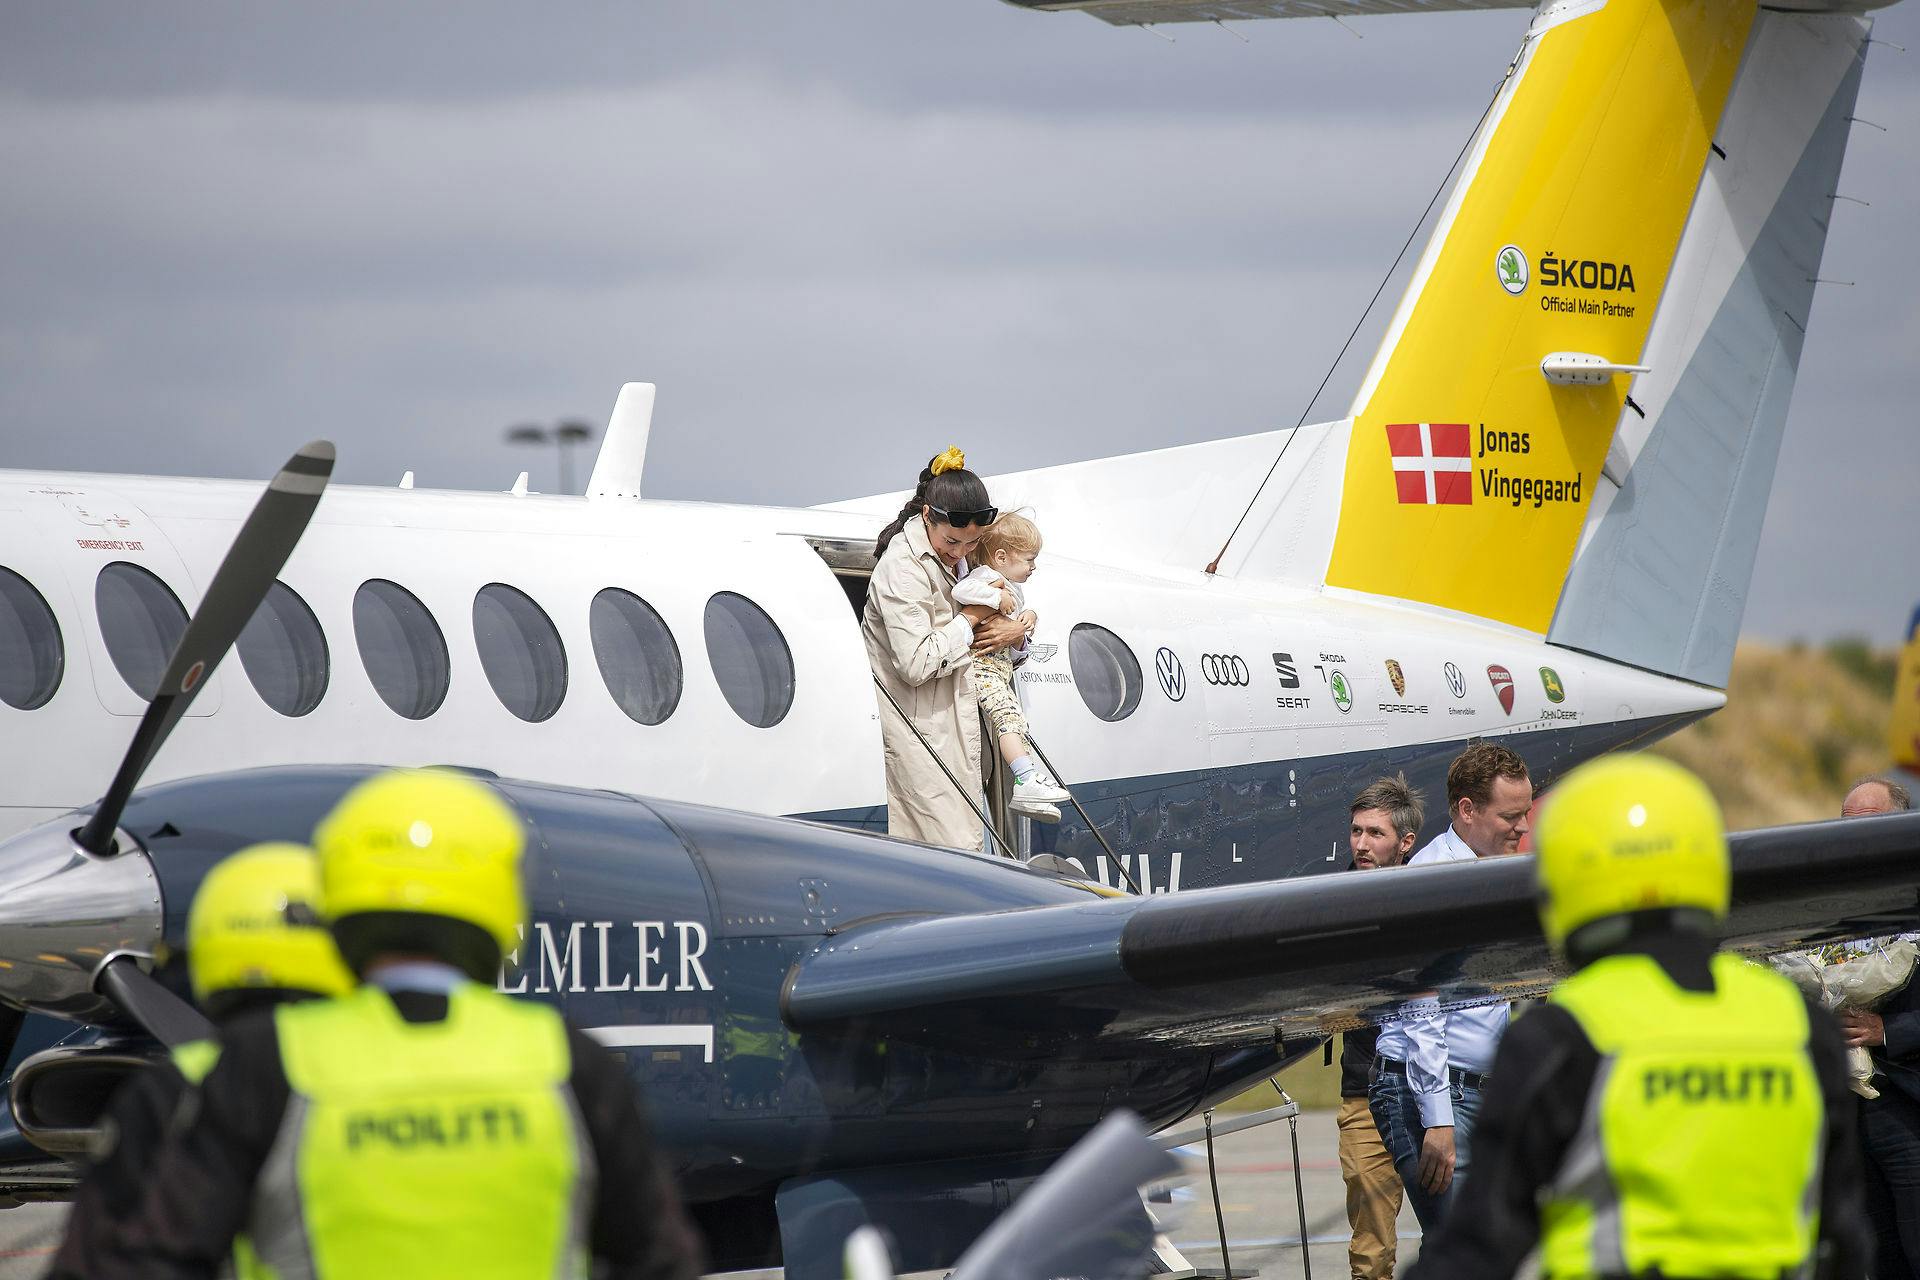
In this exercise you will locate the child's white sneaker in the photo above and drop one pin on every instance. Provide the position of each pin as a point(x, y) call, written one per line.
point(1039, 811)
point(1035, 790)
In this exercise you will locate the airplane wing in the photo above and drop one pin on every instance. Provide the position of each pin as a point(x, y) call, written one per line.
point(1306, 956)
point(1132, 13)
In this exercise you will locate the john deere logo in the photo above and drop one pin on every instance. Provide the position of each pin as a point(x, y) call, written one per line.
point(1342, 692)
point(1399, 678)
point(1510, 268)
point(1550, 681)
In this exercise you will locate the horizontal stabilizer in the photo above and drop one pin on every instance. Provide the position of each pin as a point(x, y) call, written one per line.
point(1228, 966)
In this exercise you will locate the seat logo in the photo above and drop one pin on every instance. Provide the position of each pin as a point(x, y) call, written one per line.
point(1502, 686)
point(1225, 669)
point(1288, 673)
point(1456, 681)
point(1510, 269)
point(1173, 676)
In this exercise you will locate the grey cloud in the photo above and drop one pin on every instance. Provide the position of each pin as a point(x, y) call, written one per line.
point(838, 240)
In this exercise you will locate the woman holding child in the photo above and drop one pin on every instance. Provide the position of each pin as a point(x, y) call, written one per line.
point(922, 648)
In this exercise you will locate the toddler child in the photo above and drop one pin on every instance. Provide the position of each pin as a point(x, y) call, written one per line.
point(1006, 557)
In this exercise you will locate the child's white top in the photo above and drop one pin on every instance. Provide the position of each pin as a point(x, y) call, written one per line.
point(983, 586)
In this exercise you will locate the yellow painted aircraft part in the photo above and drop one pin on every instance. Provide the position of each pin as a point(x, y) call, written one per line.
point(1903, 729)
point(1590, 172)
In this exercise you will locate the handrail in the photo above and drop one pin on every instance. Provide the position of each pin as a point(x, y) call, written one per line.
point(978, 810)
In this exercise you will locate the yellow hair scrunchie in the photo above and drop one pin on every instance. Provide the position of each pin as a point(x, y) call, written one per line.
point(951, 460)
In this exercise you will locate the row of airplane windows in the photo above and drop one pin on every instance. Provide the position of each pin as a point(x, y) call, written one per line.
point(286, 657)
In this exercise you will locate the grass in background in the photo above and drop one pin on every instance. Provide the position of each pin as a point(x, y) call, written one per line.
point(1799, 725)
point(1314, 1086)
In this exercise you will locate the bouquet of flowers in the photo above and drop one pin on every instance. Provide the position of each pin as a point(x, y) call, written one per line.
point(1858, 975)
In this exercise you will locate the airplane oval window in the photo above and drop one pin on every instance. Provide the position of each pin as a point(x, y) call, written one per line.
point(284, 652)
point(32, 654)
point(520, 651)
point(401, 647)
point(750, 659)
point(141, 621)
point(1104, 670)
point(638, 657)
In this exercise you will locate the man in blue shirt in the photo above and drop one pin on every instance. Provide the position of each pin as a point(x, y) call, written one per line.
point(1429, 1064)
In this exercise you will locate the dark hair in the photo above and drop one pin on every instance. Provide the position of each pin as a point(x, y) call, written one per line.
point(955, 490)
point(1399, 801)
point(1472, 773)
point(367, 935)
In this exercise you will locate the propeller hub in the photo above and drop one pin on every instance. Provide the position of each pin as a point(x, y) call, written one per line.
point(65, 912)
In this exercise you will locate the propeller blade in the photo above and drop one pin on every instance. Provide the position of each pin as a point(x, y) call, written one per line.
point(164, 1016)
point(10, 1023)
point(253, 562)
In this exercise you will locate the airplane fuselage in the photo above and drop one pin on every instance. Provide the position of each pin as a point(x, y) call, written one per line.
point(1215, 728)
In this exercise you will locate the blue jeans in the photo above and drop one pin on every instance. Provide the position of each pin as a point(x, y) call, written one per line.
point(1397, 1114)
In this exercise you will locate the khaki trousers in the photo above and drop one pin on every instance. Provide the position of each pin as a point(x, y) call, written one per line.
point(1373, 1193)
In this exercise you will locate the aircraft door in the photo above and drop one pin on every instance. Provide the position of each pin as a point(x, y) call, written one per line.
point(143, 600)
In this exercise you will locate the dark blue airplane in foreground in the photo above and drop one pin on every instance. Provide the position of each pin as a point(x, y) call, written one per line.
point(831, 1028)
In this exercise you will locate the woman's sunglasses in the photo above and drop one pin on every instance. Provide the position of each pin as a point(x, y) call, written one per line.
point(961, 519)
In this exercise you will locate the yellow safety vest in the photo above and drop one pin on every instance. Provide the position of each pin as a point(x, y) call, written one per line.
point(194, 1059)
point(1699, 1154)
point(449, 1148)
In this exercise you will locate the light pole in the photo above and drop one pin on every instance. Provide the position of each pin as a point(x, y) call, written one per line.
point(563, 434)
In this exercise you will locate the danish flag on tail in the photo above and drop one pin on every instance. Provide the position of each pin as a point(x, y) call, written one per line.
point(1432, 461)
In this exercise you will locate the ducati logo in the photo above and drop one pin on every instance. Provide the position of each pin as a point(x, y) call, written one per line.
point(1173, 676)
point(1502, 686)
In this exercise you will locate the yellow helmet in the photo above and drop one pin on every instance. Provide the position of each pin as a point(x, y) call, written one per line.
point(427, 842)
point(255, 924)
point(1628, 833)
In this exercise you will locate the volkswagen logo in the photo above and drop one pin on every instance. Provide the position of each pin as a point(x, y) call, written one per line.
point(1456, 681)
point(1173, 676)
point(1225, 669)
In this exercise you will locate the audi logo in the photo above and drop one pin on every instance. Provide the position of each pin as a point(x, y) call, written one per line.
point(1225, 669)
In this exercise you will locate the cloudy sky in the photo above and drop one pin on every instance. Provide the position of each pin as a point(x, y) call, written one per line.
point(839, 237)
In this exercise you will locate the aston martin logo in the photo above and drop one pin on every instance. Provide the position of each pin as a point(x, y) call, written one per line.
point(1041, 652)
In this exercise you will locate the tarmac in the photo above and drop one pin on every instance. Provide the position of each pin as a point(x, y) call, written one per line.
point(1255, 1169)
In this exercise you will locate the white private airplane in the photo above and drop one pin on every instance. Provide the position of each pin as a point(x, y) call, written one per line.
point(1538, 521)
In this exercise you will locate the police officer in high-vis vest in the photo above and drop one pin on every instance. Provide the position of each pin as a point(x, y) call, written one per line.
point(424, 1125)
point(1669, 1112)
point(254, 940)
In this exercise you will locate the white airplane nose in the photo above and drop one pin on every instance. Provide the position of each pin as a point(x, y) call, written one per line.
point(64, 913)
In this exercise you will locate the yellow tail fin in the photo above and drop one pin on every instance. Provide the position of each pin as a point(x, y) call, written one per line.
point(1470, 473)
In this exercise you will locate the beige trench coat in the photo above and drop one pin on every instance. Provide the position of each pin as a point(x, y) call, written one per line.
point(919, 647)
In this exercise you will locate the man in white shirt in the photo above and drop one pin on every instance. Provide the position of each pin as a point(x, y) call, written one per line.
point(1429, 1064)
